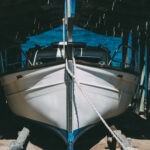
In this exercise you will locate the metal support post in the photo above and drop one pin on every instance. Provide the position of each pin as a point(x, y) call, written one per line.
point(125, 49)
point(21, 139)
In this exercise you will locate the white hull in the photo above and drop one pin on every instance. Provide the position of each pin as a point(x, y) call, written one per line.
point(40, 94)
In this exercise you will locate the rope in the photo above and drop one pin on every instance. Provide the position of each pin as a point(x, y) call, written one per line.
point(91, 104)
point(74, 102)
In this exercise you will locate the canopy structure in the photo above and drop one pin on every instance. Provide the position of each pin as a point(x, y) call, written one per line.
point(111, 17)
point(21, 18)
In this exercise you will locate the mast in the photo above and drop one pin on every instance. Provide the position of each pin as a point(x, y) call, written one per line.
point(68, 79)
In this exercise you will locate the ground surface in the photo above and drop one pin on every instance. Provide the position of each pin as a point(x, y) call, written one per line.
point(130, 124)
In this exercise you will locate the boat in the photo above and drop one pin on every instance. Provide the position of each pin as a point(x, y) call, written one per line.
point(67, 85)
point(39, 92)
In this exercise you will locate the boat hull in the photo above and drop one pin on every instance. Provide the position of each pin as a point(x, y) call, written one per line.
point(40, 94)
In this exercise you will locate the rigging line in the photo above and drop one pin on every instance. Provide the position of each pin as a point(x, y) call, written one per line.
point(74, 102)
point(116, 51)
point(64, 49)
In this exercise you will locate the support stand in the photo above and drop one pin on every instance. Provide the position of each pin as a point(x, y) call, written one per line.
point(21, 140)
point(112, 143)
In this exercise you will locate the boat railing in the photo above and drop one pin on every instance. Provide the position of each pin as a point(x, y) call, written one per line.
point(31, 58)
point(116, 51)
point(15, 63)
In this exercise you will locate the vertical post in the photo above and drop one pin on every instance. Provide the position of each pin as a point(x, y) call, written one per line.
point(64, 39)
point(125, 49)
point(143, 102)
point(2, 62)
point(142, 48)
point(136, 41)
point(134, 60)
point(70, 29)
point(147, 75)
point(68, 8)
point(139, 49)
point(128, 58)
point(146, 79)
point(143, 69)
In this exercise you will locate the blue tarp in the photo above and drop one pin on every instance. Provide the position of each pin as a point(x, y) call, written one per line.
point(79, 35)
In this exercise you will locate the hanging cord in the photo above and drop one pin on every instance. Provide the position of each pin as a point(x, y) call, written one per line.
point(84, 93)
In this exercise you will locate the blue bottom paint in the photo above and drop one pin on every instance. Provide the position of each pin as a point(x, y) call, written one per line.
point(70, 141)
point(70, 137)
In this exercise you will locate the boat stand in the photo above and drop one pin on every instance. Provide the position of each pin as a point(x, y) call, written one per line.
point(113, 144)
point(21, 140)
